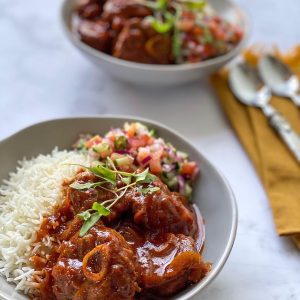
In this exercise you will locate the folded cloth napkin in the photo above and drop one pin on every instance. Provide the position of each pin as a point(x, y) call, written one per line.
point(275, 165)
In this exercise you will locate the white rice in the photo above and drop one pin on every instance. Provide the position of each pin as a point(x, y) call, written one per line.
point(30, 193)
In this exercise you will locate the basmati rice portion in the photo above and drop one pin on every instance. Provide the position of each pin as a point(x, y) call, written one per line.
point(30, 193)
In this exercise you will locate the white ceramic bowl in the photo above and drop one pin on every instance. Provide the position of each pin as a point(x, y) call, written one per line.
point(212, 193)
point(160, 75)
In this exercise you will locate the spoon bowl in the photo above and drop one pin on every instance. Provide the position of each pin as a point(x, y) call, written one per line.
point(279, 77)
point(248, 86)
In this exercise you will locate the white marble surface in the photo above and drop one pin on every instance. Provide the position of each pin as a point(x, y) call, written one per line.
point(42, 76)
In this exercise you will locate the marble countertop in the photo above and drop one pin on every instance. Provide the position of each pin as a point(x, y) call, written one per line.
point(43, 77)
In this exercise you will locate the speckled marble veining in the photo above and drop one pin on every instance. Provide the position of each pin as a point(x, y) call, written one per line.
point(42, 76)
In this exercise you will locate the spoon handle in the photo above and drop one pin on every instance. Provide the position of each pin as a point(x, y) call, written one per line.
point(284, 129)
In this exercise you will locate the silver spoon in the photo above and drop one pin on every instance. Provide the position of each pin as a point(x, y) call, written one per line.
point(248, 87)
point(279, 77)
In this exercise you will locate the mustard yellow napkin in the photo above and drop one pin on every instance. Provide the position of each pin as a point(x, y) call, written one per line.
point(277, 168)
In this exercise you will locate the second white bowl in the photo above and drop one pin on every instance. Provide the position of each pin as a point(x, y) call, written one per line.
point(160, 75)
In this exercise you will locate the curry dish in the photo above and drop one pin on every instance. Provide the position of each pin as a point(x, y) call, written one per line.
point(125, 228)
point(154, 31)
point(148, 246)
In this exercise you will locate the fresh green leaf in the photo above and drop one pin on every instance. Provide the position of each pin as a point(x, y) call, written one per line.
point(85, 215)
point(197, 5)
point(126, 180)
point(120, 142)
point(141, 176)
point(149, 178)
point(208, 37)
point(104, 173)
point(85, 186)
point(89, 223)
point(109, 162)
point(162, 27)
point(157, 5)
point(176, 45)
point(101, 209)
point(161, 4)
point(150, 190)
point(177, 40)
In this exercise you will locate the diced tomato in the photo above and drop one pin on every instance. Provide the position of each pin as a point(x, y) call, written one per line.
point(209, 50)
point(93, 141)
point(131, 130)
point(150, 140)
point(136, 142)
point(155, 166)
point(186, 25)
point(197, 30)
point(111, 137)
point(157, 151)
point(189, 168)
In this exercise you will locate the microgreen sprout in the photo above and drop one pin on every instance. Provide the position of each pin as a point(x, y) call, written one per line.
point(109, 175)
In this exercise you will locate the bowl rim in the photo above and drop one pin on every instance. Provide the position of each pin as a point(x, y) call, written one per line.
point(156, 67)
point(233, 204)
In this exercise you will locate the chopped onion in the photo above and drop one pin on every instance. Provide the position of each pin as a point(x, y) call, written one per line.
point(146, 160)
point(181, 184)
point(168, 167)
point(122, 151)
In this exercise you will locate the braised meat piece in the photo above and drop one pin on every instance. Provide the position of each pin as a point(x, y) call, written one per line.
point(100, 265)
point(89, 9)
point(164, 211)
point(166, 262)
point(83, 199)
point(95, 33)
point(138, 42)
point(125, 9)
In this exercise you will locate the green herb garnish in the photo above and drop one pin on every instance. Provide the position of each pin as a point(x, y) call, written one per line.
point(176, 39)
point(89, 223)
point(90, 219)
point(141, 176)
point(197, 5)
point(126, 180)
point(157, 5)
point(150, 190)
point(149, 178)
point(85, 186)
point(109, 176)
point(85, 215)
point(100, 209)
point(162, 26)
point(104, 173)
